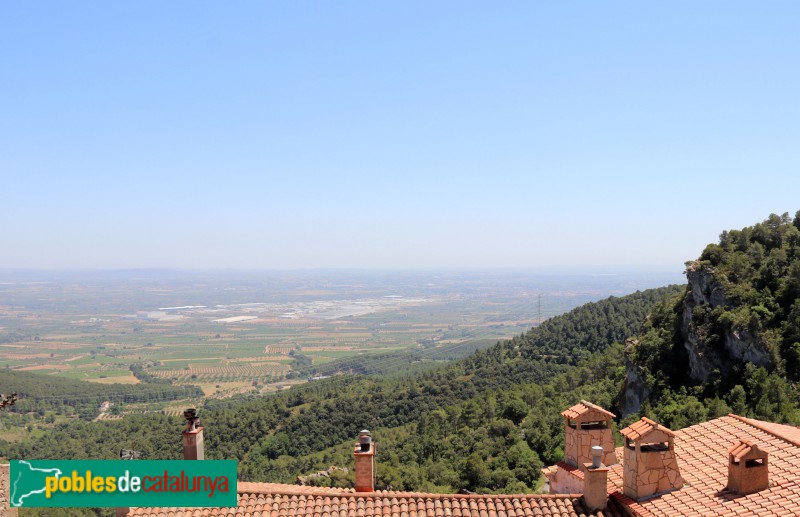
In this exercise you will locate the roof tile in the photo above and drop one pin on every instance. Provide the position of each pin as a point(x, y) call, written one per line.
point(326, 502)
point(702, 452)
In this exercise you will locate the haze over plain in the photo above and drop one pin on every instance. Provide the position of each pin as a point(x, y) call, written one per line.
point(407, 135)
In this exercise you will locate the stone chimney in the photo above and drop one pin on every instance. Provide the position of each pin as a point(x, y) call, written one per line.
point(193, 448)
point(649, 464)
point(748, 468)
point(5, 491)
point(595, 481)
point(587, 425)
point(365, 462)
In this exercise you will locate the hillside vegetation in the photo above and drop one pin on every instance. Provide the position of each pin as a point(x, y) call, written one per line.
point(48, 393)
point(727, 341)
point(731, 339)
point(487, 423)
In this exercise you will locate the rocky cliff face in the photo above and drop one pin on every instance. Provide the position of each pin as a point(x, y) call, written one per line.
point(635, 390)
point(729, 347)
point(706, 352)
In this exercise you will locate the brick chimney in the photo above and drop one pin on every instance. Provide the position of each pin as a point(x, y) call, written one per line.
point(587, 425)
point(595, 481)
point(365, 462)
point(193, 448)
point(649, 464)
point(748, 468)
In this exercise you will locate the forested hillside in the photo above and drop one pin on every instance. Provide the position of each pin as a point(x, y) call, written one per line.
point(731, 338)
point(44, 393)
point(484, 423)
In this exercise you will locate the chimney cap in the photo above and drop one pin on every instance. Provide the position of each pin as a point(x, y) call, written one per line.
point(192, 420)
point(642, 428)
point(745, 449)
point(585, 410)
point(597, 456)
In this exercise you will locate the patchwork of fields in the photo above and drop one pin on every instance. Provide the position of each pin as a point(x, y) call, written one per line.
point(216, 349)
point(259, 332)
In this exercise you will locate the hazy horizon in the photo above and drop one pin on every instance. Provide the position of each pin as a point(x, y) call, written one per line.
point(392, 136)
point(543, 269)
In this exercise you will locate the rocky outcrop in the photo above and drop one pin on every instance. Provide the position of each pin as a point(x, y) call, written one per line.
point(309, 479)
point(635, 390)
point(701, 357)
point(732, 346)
point(704, 287)
point(743, 346)
point(711, 345)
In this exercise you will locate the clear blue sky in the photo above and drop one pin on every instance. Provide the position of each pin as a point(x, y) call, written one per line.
point(391, 134)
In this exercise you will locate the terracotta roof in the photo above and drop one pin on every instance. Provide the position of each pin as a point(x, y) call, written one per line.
point(276, 500)
point(585, 410)
point(786, 432)
point(702, 453)
point(614, 474)
point(642, 428)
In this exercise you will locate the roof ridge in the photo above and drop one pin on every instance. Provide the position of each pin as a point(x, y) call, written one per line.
point(267, 488)
point(757, 424)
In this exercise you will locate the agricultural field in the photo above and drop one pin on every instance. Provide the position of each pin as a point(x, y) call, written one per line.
point(212, 346)
point(239, 333)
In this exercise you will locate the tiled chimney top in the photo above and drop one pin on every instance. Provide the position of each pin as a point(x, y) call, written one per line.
point(744, 449)
point(637, 430)
point(748, 468)
point(585, 411)
point(587, 425)
point(649, 464)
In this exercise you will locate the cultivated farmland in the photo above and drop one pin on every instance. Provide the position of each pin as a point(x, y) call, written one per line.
point(251, 333)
